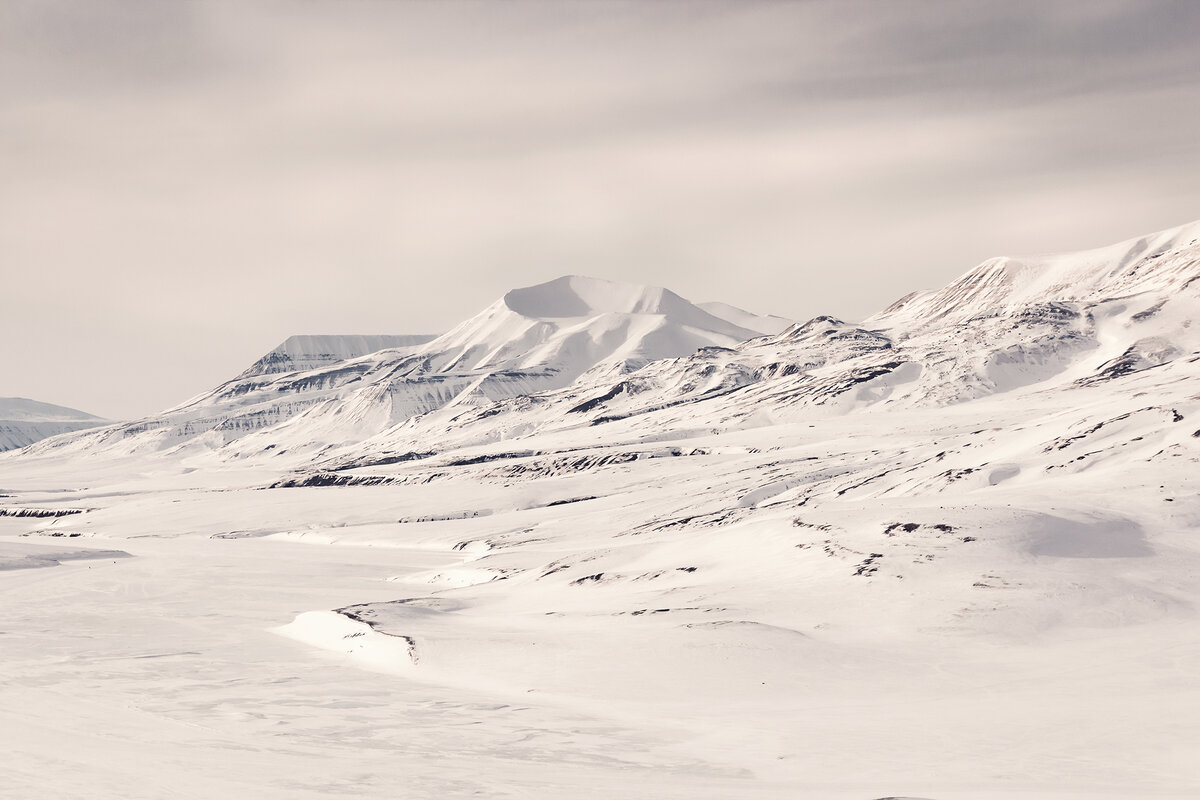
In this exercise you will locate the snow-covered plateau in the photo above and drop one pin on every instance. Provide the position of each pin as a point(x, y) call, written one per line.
point(598, 541)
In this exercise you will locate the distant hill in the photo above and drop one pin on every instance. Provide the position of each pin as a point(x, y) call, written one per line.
point(24, 421)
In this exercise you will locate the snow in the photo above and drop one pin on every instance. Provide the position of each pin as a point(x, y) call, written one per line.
point(338, 633)
point(19, 555)
point(24, 421)
point(1146, 263)
point(768, 325)
point(573, 324)
point(304, 353)
point(322, 391)
point(947, 553)
point(581, 296)
point(21, 409)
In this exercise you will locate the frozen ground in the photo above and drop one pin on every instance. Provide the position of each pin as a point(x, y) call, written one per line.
point(951, 554)
point(756, 658)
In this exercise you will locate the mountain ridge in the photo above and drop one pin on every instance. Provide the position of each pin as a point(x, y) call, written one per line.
point(337, 387)
point(579, 350)
point(946, 351)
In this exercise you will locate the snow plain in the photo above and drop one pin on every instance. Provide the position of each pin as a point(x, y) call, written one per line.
point(948, 554)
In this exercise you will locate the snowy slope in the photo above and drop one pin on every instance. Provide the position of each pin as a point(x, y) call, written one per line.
point(1162, 263)
point(300, 373)
point(24, 421)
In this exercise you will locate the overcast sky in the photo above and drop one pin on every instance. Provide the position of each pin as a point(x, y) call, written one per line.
point(183, 185)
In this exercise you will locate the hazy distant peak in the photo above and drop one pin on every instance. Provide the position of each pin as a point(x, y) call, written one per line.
point(767, 325)
point(24, 421)
point(22, 409)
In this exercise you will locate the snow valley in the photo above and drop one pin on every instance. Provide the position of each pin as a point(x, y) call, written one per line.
point(600, 541)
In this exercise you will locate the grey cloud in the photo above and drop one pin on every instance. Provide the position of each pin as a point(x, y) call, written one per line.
point(66, 48)
point(224, 174)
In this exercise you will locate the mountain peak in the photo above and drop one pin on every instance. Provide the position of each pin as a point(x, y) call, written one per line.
point(573, 323)
point(582, 296)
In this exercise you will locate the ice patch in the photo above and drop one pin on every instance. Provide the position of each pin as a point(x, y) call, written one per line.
point(1101, 538)
point(1003, 472)
point(15, 555)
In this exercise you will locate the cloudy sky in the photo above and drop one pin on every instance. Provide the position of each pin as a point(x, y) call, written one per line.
point(183, 185)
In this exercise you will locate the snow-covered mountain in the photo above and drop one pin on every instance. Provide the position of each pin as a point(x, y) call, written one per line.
point(301, 372)
point(765, 325)
point(1162, 263)
point(1056, 323)
point(309, 353)
point(574, 324)
point(651, 549)
point(313, 392)
point(580, 351)
point(24, 421)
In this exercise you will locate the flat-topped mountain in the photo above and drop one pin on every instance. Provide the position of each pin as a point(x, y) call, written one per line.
point(24, 421)
point(304, 353)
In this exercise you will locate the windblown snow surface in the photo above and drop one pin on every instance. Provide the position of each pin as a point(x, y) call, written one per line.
point(599, 542)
